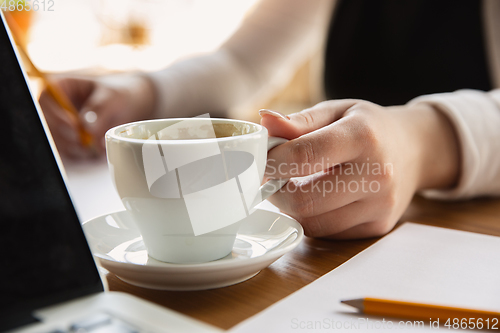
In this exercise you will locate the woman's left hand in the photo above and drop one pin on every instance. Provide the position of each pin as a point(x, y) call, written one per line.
point(359, 164)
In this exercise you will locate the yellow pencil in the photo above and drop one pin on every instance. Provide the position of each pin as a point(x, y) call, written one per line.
point(420, 311)
point(85, 137)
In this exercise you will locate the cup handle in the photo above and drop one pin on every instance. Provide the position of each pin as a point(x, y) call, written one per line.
point(274, 185)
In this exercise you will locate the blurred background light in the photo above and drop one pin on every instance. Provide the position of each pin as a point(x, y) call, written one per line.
point(121, 35)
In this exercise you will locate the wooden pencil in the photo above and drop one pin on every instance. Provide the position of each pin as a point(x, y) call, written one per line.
point(400, 309)
point(59, 96)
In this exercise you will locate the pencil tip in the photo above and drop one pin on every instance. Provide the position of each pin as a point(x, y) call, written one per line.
point(355, 303)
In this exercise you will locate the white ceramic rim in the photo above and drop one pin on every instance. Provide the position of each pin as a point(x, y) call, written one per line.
point(111, 133)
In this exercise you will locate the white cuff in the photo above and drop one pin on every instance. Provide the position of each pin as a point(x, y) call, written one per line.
point(475, 116)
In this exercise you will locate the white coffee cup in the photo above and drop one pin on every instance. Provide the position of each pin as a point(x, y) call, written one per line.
point(186, 189)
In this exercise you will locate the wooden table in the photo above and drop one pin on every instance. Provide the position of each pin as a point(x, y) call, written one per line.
point(313, 258)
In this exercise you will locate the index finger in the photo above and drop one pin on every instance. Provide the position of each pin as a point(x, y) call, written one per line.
point(319, 150)
point(307, 120)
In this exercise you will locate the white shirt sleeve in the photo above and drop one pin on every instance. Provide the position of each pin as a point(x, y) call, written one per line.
point(276, 37)
point(475, 116)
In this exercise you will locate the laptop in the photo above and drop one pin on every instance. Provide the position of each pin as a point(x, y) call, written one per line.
point(49, 281)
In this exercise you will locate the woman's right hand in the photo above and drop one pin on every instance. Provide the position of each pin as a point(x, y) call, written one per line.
point(102, 104)
point(355, 166)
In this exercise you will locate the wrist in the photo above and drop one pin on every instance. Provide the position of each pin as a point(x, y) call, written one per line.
point(437, 146)
point(142, 97)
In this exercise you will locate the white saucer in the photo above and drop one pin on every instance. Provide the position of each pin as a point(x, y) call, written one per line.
point(263, 237)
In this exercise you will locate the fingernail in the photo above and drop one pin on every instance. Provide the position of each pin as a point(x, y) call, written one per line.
point(90, 117)
point(273, 113)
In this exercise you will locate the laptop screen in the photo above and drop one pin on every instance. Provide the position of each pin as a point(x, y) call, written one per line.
point(45, 257)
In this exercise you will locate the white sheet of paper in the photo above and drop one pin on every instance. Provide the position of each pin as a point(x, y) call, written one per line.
point(415, 263)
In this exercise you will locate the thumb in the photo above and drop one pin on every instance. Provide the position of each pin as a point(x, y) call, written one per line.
point(94, 113)
point(97, 113)
point(305, 121)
